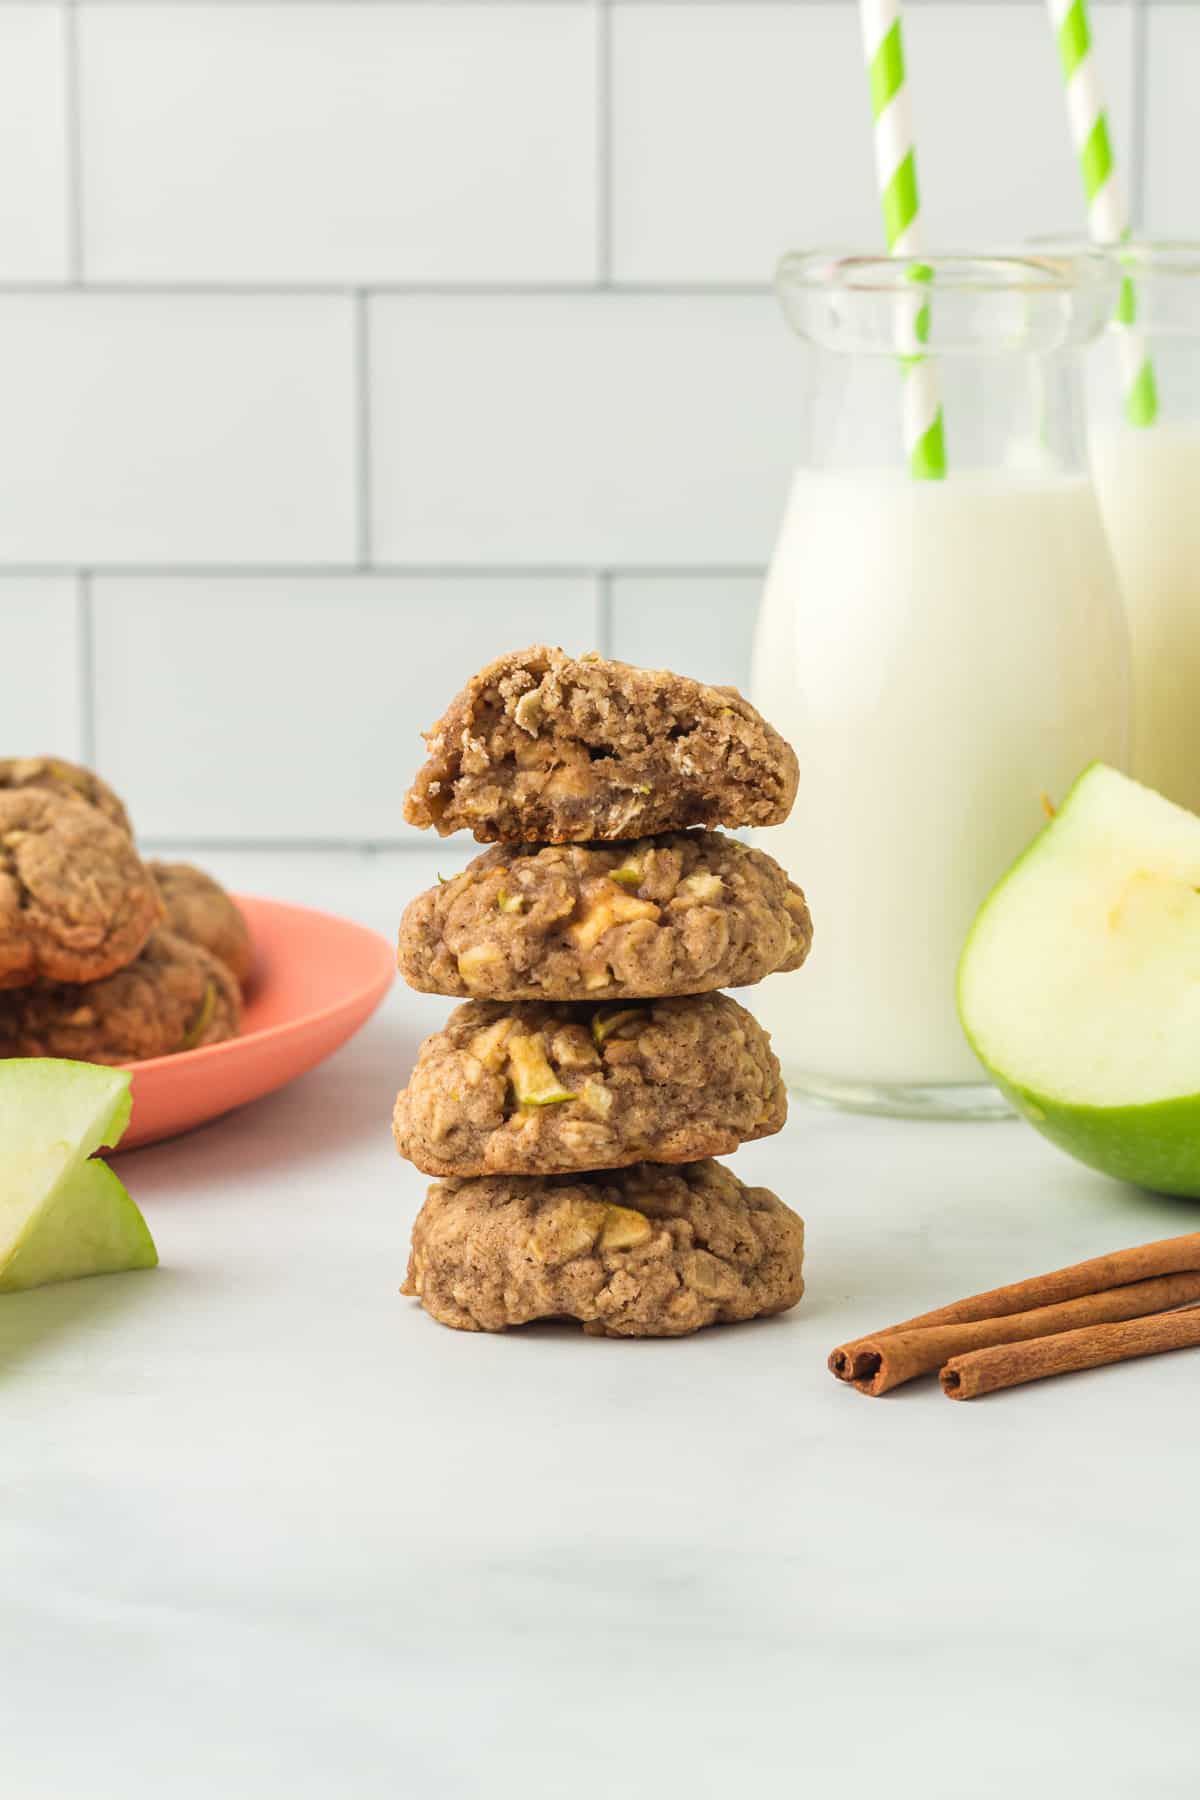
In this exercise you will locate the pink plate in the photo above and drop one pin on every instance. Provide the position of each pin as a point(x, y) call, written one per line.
point(316, 980)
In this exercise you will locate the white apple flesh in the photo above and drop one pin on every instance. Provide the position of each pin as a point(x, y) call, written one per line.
point(61, 1215)
point(1079, 987)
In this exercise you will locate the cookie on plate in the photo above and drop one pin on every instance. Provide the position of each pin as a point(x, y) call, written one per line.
point(541, 747)
point(642, 1252)
point(76, 902)
point(681, 914)
point(199, 909)
point(174, 996)
point(55, 775)
point(536, 1089)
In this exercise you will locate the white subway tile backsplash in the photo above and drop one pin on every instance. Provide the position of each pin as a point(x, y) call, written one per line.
point(202, 429)
point(1172, 208)
point(741, 130)
point(302, 699)
point(728, 122)
point(487, 455)
point(34, 227)
point(593, 429)
point(701, 625)
point(41, 704)
point(340, 143)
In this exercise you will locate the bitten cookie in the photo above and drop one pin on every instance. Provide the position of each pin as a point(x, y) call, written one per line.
point(174, 996)
point(75, 900)
point(541, 747)
point(682, 914)
point(54, 775)
point(199, 909)
point(531, 1089)
point(644, 1252)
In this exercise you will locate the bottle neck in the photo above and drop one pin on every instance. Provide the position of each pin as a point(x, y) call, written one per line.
point(1002, 412)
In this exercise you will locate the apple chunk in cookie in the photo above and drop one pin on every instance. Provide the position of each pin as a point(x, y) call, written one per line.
point(529, 1088)
point(541, 747)
point(681, 914)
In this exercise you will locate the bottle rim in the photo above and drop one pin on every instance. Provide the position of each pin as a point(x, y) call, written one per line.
point(967, 303)
point(1062, 267)
point(1143, 258)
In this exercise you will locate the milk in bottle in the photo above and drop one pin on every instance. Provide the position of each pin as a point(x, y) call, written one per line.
point(945, 655)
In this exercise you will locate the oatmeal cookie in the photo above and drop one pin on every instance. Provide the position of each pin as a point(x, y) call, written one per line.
point(174, 996)
point(55, 775)
point(536, 1089)
point(644, 1252)
point(541, 747)
point(199, 909)
point(682, 914)
point(75, 900)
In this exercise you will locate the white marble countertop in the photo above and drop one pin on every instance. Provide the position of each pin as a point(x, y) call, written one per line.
point(268, 1530)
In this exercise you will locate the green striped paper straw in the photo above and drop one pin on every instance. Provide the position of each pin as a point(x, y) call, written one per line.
point(896, 171)
point(1108, 211)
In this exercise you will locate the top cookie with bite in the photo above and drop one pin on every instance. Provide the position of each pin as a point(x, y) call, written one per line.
point(541, 747)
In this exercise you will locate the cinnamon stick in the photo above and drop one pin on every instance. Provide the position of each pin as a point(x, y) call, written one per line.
point(1167, 1256)
point(887, 1361)
point(1007, 1365)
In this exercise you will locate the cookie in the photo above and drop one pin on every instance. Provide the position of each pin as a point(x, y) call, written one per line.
point(541, 747)
point(55, 775)
point(643, 1252)
point(75, 900)
point(199, 909)
point(681, 914)
point(535, 1089)
point(174, 996)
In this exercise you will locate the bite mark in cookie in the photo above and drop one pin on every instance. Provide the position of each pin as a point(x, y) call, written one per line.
point(541, 747)
point(538, 1089)
point(172, 997)
point(76, 902)
point(681, 914)
point(641, 1252)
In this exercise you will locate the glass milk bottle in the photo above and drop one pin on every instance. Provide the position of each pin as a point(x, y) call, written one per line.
point(946, 655)
point(1148, 481)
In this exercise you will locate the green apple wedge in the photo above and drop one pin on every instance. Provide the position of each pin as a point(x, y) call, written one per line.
point(62, 1215)
point(1079, 986)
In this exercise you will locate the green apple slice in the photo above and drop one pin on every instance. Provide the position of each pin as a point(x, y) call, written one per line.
point(1079, 987)
point(61, 1215)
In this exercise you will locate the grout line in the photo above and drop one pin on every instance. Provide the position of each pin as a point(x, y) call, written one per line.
point(72, 128)
point(362, 429)
point(86, 652)
point(604, 144)
point(1139, 57)
point(388, 290)
point(382, 571)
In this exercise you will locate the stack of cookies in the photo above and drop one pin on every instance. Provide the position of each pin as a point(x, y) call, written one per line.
point(572, 1104)
point(105, 958)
